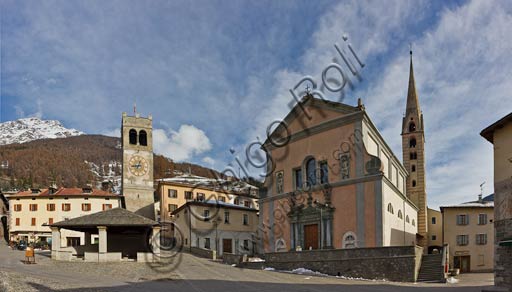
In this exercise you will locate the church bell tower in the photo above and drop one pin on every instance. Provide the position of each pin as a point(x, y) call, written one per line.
point(137, 182)
point(413, 148)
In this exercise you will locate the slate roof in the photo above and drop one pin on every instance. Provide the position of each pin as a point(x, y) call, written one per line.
point(112, 217)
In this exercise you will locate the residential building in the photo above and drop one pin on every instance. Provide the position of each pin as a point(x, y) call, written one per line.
point(435, 230)
point(176, 191)
point(500, 135)
point(222, 227)
point(33, 210)
point(468, 230)
point(4, 212)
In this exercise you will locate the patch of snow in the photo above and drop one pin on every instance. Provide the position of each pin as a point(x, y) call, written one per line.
point(304, 271)
point(269, 269)
point(30, 129)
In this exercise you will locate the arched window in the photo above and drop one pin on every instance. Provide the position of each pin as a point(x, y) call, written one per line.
point(407, 219)
point(413, 168)
point(400, 214)
point(413, 183)
point(349, 240)
point(412, 143)
point(413, 222)
point(390, 209)
point(414, 156)
point(412, 127)
point(311, 172)
point(133, 137)
point(143, 138)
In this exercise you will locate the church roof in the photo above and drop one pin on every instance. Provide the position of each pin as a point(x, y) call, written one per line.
point(488, 133)
point(111, 217)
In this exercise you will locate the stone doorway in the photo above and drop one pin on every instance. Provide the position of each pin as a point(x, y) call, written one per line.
point(311, 236)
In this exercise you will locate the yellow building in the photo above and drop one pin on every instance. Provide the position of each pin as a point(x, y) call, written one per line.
point(500, 135)
point(217, 226)
point(175, 192)
point(469, 231)
point(435, 230)
point(31, 211)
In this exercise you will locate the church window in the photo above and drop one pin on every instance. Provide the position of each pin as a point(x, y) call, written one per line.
point(298, 178)
point(311, 172)
point(324, 172)
point(413, 183)
point(390, 209)
point(413, 222)
point(133, 137)
point(400, 214)
point(412, 127)
point(143, 138)
point(413, 168)
point(412, 143)
point(414, 156)
point(407, 219)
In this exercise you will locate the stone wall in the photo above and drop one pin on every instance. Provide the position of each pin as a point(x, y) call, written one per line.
point(231, 259)
point(503, 254)
point(390, 263)
point(204, 253)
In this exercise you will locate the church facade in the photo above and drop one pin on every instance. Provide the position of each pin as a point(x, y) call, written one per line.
point(335, 184)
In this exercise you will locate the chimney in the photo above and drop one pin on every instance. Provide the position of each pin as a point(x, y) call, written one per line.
point(480, 198)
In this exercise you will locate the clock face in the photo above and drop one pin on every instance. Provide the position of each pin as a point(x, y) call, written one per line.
point(138, 165)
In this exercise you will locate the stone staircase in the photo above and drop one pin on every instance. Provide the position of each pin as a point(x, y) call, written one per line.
point(431, 269)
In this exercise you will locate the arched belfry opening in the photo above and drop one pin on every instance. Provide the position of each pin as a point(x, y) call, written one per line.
point(143, 138)
point(412, 127)
point(412, 143)
point(133, 137)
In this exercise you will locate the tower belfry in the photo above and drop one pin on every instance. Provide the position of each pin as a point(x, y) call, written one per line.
point(137, 181)
point(413, 148)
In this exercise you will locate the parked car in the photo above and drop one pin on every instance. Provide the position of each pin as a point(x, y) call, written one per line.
point(22, 245)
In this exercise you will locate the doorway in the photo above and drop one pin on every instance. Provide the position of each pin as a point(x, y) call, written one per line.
point(227, 245)
point(311, 236)
point(463, 263)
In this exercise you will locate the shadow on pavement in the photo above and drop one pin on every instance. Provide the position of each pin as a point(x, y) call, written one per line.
point(237, 286)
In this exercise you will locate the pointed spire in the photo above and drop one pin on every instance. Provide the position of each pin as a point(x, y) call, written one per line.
point(413, 104)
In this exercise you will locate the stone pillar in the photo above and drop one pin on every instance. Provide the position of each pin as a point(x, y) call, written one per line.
point(102, 246)
point(155, 244)
point(55, 242)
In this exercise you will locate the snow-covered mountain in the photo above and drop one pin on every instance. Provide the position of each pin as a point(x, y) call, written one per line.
point(29, 129)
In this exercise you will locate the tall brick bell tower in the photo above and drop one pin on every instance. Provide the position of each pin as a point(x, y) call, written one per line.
point(413, 148)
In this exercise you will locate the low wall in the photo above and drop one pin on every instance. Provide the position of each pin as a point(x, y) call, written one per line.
point(390, 263)
point(231, 259)
point(204, 253)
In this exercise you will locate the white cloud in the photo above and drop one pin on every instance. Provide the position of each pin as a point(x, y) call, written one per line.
point(181, 145)
point(112, 133)
point(209, 161)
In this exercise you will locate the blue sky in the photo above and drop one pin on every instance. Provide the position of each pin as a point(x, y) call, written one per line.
point(214, 74)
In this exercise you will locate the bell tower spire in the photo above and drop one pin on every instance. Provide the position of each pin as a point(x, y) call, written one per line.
point(413, 148)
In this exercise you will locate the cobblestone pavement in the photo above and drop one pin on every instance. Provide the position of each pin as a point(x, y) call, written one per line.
point(186, 273)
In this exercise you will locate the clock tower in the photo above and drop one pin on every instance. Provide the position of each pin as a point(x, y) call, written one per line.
point(137, 182)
